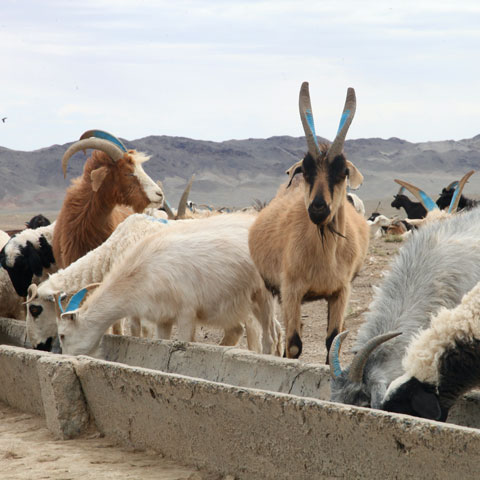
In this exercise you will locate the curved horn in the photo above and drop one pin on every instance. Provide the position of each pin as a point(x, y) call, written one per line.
point(306, 115)
point(420, 195)
point(182, 204)
point(400, 191)
point(106, 136)
point(347, 116)
point(334, 353)
point(97, 144)
point(355, 373)
point(458, 192)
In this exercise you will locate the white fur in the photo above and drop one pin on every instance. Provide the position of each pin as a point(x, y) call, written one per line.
point(447, 326)
point(179, 277)
point(377, 224)
point(152, 190)
point(357, 203)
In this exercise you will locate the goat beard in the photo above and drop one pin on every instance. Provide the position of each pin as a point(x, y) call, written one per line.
point(330, 227)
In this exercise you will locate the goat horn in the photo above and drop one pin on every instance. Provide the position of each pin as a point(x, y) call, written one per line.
point(334, 354)
point(347, 116)
point(97, 144)
point(420, 195)
point(355, 373)
point(451, 185)
point(106, 136)
point(400, 191)
point(458, 192)
point(306, 116)
point(182, 205)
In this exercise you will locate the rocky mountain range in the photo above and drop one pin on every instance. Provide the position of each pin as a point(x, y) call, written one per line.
point(237, 172)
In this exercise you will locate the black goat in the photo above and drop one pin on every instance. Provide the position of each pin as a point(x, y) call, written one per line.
point(446, 196)
point(37, 221)
point(413, 209)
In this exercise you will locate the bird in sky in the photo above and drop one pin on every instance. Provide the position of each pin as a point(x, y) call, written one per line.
point(3, 119)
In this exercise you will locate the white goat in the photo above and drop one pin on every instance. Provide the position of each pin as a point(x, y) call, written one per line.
point(376, 230)
point(207, 278)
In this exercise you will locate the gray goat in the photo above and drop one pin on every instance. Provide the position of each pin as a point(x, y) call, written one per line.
point(435, 268)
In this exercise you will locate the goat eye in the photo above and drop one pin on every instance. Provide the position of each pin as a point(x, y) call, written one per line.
point(35, 310)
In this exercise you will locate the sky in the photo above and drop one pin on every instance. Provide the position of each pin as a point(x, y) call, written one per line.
point(227, 69)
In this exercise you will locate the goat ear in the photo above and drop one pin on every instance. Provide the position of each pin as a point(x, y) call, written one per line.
point(70, 316)
point(355, 178)
point(97, 177)
point(295, 169)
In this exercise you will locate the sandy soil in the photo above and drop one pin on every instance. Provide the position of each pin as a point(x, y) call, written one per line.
point(28, 452)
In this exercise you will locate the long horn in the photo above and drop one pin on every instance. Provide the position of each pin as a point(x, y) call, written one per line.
point(400, 191)
point(334, 355)
point(420, 195)
point(106, 136)
point(306, 115)
point(355, 373)
point(182, 204)
point(458, 192)
point(347, 116)
point(97, 144)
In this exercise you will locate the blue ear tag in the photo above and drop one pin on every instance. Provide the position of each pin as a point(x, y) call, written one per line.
point(428, 202)
point(110, 138)
point(311, 124)
point(75, 301)
point(455, 195)
point(345, 115)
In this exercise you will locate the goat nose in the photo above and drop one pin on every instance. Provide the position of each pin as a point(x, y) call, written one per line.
point(319, 204)
point(160, 194)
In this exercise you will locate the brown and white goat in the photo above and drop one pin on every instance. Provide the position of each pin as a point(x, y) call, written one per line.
point(113, 185)
point(309, 242)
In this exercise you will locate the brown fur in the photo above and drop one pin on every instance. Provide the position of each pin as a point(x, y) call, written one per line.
point(288, 250)
point(88, 217)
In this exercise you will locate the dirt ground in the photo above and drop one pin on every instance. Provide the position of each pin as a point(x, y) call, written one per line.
point(28, 451)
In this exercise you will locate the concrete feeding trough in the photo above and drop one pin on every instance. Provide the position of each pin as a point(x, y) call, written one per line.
point(231, 411)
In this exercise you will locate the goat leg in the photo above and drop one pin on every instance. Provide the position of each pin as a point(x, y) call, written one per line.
point(337, 303)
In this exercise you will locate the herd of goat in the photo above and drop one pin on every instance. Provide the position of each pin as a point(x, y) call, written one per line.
point(119, 256)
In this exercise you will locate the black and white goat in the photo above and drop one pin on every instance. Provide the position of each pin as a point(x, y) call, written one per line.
point(441, 363)
point(445, 198)
point(28, 254)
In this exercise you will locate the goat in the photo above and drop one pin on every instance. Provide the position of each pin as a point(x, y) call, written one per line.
point(95, 202)
point(179, 278)
point(37, 221)
point(10, 303)
point(441, 363)
point(413, 209)
point(434, 269)
point(378, 225)
point(28, 257)
point(309, 242)
point(357, 202)
point(446, 196)
point(91, 268)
